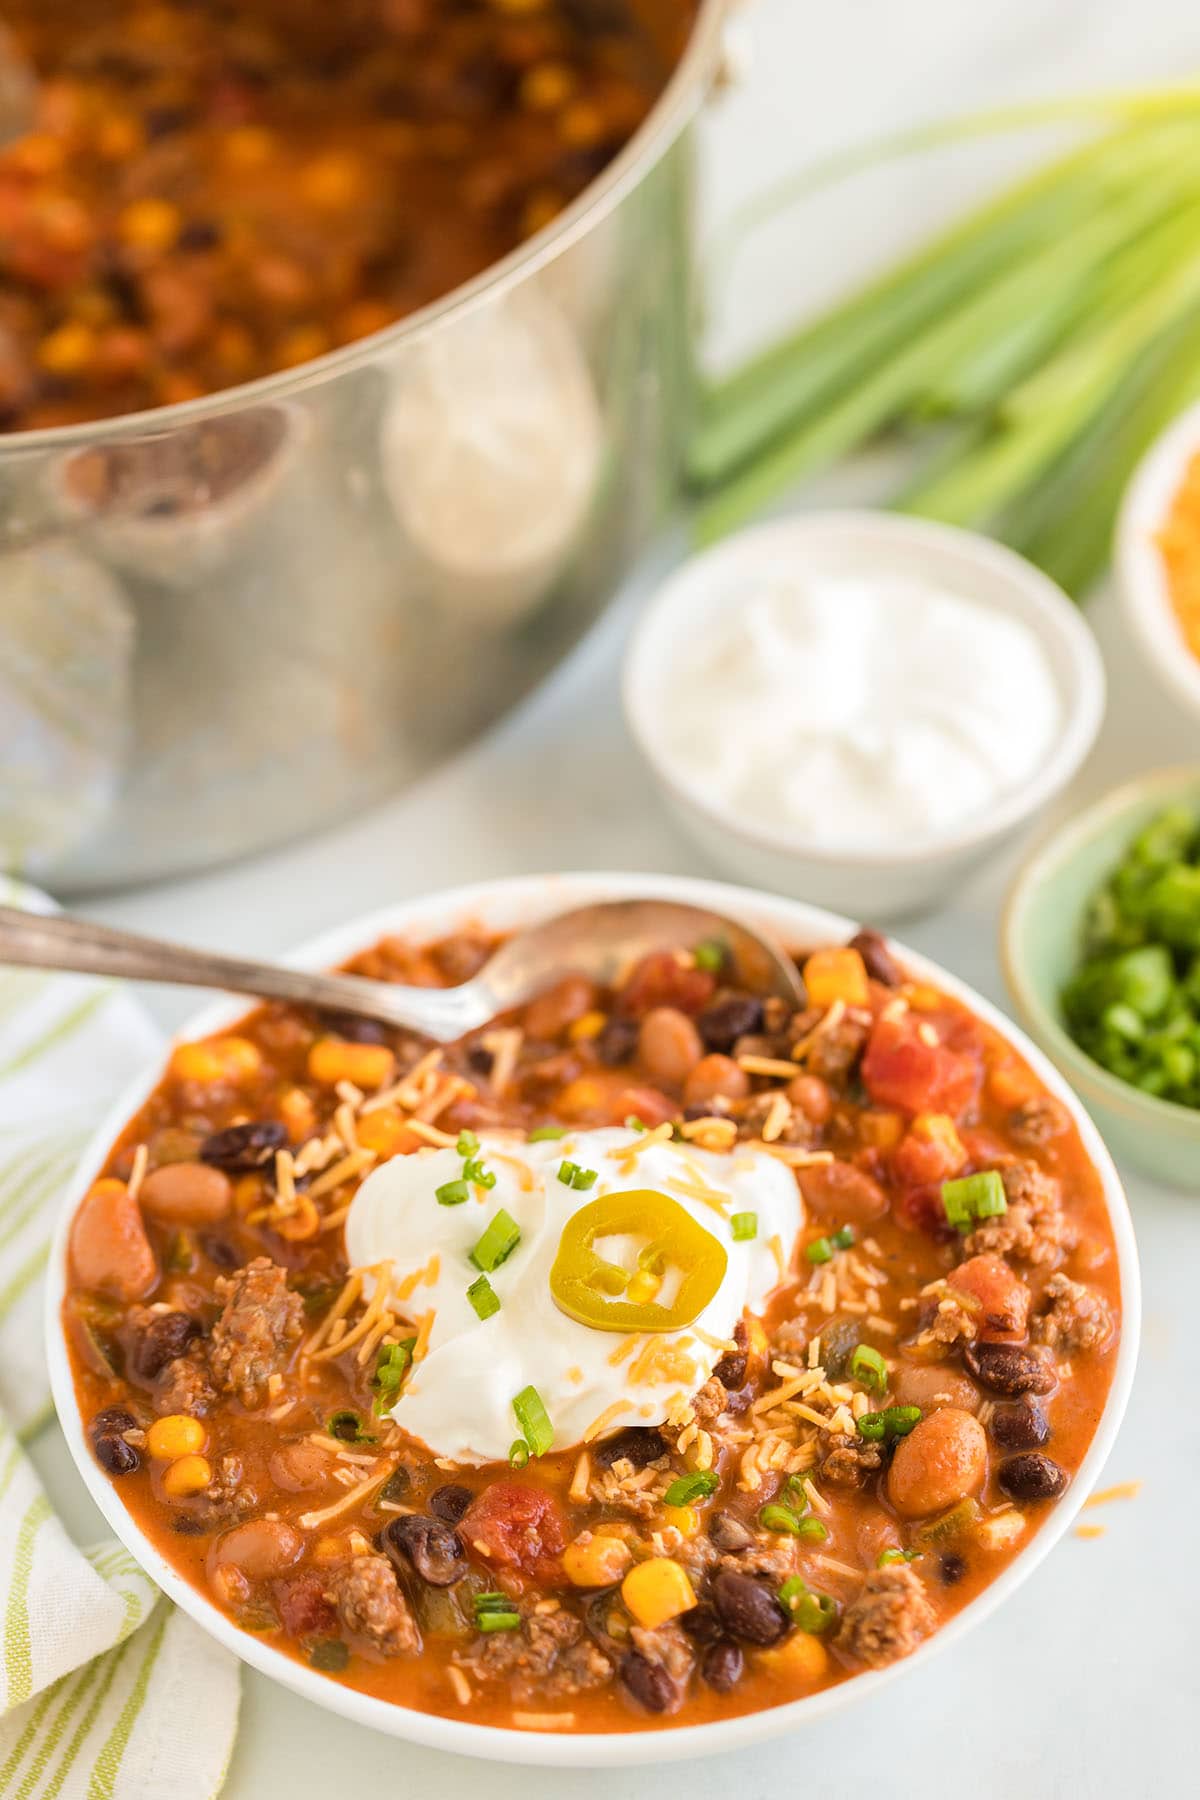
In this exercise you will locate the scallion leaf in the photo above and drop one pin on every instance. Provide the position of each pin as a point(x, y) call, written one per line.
point(867, 1366)
point(452, 1193)
point(467, 1144)
point(844, 1239)
point(534, 1421)
point(547, 1133)
point(971, 1197)
point(820, 1251)
point(347, 1427)
point(572, 1176)
point(779, 1519)
point(697, 1486)
point(483, 1297)
point(710, 955)
point(518, 1453)
point(500, 1238)
point(744, 1227)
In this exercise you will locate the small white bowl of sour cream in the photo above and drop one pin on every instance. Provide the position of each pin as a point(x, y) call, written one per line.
point(854, 707)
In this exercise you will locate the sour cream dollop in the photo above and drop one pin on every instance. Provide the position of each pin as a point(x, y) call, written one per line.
point(458, 1399)
point(860, 712)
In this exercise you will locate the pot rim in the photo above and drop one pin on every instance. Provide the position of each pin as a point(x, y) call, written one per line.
point(661, 128)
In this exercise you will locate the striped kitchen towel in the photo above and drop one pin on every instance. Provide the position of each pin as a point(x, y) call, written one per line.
point(107, 1690)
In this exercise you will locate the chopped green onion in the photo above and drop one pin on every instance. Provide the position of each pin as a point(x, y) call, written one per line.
point(820, 1251)
point(892, 1422)
point(686, 1488)
point(452, 1193)
point(972, 1197)
point(844, 1238)
point(467, 1144)
point(710, 955)
point(810, 1610)
point(389, 1373)
point(518, 1453)
point(867, 1365)
point(474, 1172)
point(495, 1612)
point(796, 1488)
point(545, 1133)
point(744, 1226)
point(347, 1427)
point(572, 1176)
point(886, 1557)
point(534, 1421)
point(634, 1123)
point(779, 1518)
point(500, 1238)
point(813, 1531)
point(483, 1297)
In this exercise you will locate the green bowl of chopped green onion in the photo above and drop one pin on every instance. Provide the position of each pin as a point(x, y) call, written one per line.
point(1101, 948)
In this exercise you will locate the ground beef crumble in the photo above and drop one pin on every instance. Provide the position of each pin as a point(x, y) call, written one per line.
point(888, 1619)
point(551, 1656)
point(184, 1387)
point(850, 1461)
point(1073, 1317)
point(1035, 1228)
point(371, 1606)
point(260, 1322)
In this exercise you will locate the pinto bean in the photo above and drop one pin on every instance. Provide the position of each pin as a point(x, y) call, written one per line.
point(299, 1466)
point(837, 1190)
point(1002, 1297)
point(930, 1385)
point(1008, 1369)
point(728, 1533)
point(669, 1046)
point(748, 1609)
point(186, 1193)
point(110, 1251)
point(549, 1014)
point(1031, 1476)
point(810, 1096)
point(715, 1077)
point(258, 1549)
point(940, 1462)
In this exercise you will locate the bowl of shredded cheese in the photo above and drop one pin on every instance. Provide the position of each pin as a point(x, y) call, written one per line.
point(1158, 558)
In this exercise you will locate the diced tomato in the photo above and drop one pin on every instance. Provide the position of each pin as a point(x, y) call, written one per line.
point(837, 1192)
point(921, 1209)
point(304, 1611)
point(901, 1068)
point(1000, 1294)
point(517, 1526)
point(660, 979)
point(931, 1150)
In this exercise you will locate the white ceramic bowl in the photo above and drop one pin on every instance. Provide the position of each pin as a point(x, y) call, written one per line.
point(502, 905)
point(1141, 573)
point(893, 881)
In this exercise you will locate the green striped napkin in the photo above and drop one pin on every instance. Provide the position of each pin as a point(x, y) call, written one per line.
point(108, 1692)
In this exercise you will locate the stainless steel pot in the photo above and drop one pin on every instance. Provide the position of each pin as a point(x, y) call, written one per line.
point(227, 622)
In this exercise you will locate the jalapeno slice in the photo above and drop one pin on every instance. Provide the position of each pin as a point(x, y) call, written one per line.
point(606, 1296)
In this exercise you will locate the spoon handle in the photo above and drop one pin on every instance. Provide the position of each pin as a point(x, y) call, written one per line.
point(55, 941)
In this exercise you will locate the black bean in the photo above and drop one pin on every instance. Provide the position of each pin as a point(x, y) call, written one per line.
point(728, 1532)
point(165, 1337)
point(617, 1040)
point(727, 1020)
point(722, 1666)
point(221, 1252)
point(397, 1485)
point(240, 1148)
point(198, 235)
point(115, 1455)
point(1031, 1476)
point(449, 1503)
point(638, 1444)
point(480, 1059)
point(434, 1549)
point(881, 965)
point(951, 1568)
point(1023, 1426)
point(113, 1418)
point(747, 1609)
point(731, 1370)
point(701, 1623)
point(353, 1029)
point(648, 1682)
point(1007, 1369)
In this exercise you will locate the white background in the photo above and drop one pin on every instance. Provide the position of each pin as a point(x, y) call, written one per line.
point(1086, 1684)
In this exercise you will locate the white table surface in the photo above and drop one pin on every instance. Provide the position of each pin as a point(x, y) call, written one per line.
point(1085, 1684)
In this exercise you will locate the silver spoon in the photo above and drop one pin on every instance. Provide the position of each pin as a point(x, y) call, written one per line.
point(600, 941)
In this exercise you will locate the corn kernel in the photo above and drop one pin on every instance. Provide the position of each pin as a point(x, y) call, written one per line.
point(939, 1129)
point(190, 1475)
point(218, 1059)
point(685, 1519)
point(176, 1435)
point(298, 1114)
point(1011, 1086)
point(831, 975)
point(301, 345)
point(880, 1130)
point(333, 181)
point(68, 350)
point(801, 1656)
point(546, 86)
point(589, 1025)
point(329, 1549)
point(386, 1132)
point(595, 1561)
point(657, 1590)
point(249, 146)
point(366, 1065)
point(150, 224)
